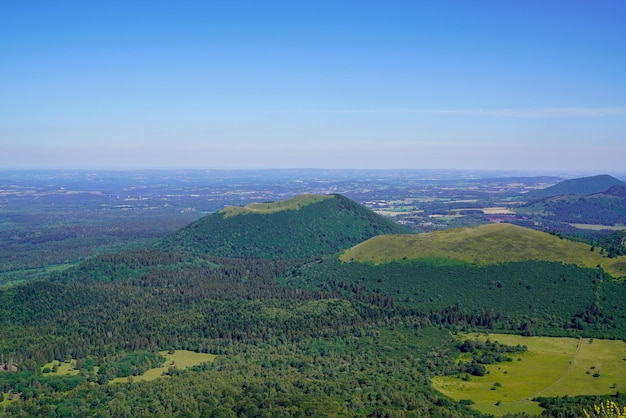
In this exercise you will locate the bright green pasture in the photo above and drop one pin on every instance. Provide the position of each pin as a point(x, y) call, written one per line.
point(550, 367)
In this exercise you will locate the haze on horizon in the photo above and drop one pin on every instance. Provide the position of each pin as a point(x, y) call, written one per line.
point(280, 84)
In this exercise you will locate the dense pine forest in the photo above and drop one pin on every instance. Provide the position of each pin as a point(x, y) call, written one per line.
point(334, 350)
point(281, 351)
point(522, 297)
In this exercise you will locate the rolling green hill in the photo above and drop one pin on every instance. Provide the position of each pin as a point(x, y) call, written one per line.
point(483, 244)
point(301, 227)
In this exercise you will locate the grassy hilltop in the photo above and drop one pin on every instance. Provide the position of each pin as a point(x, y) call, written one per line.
point(500, 276)
point(295, 203)
point(483, 244)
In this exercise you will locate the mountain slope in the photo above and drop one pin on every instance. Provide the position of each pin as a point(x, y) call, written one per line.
point(484, 244)
point(580, 187)
point(301, 227)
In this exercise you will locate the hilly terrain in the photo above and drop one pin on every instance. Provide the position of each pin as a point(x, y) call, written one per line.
point(501, 276)
point(274, 350)
point(579, 187)
point(301, 227)
point(605, 208)
point(311, 306)
point(483, 244)
point(600, 209)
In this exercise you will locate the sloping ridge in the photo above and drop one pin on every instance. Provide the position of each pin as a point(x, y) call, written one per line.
point(301, 227)
point(579, 187)
point(483, 244)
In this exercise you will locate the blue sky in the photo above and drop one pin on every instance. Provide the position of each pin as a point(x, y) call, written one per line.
point(530, 85)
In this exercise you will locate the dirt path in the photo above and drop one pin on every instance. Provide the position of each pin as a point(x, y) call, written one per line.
point(564, 375)
point(561, 378)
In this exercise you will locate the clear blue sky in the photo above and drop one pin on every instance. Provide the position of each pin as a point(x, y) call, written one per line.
point(537, 85)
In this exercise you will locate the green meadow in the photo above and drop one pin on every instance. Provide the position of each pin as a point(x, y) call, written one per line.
point(599, 227)
point(551, 367)
point(180, 359)
point(62, 368)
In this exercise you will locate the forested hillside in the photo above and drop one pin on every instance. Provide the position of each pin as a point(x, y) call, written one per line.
point(603, 209)
point(534, 297)
point(305, 229)
point(579, 187)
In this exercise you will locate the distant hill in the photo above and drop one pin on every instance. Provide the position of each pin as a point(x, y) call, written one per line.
point(607, 208)
point(580, 187)
point(301, 227)
point(619, 190)
point(483, 244)
point(602, 208)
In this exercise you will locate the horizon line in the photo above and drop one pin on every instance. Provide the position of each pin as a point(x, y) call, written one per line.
point(538, 112)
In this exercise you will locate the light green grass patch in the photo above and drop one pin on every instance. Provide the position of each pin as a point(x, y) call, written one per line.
point(295, 203)
point(602, 357)
point(60, 267)
point(596, 227)
point(181, 359)
point(550, 367)
point(616, 267)
point(392, 213)
point(63, 368)
point(525, 406)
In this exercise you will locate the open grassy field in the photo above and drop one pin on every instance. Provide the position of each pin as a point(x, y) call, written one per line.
point(63, 367)
point(392, 213)
point(498, 210)
point(597, 227)
point(550, 367)
point(483, 244)
point(616, 267)
point(294, 203)
point(181, 359)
